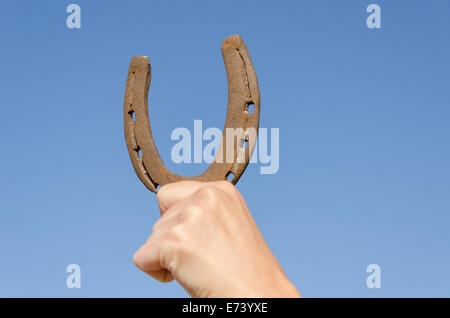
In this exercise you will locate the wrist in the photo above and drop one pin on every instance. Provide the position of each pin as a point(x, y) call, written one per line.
point(277, 286)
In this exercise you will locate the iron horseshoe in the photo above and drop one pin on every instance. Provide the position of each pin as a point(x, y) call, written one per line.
point(243, 90)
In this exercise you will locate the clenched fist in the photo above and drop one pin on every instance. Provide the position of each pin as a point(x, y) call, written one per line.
point(207, 240)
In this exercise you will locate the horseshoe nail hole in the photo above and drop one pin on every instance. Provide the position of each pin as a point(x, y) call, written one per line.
point(251, 108)
point(230, 176)
point(245, 144)
point(133, 117)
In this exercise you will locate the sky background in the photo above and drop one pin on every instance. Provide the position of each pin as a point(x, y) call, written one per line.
point(364, 139)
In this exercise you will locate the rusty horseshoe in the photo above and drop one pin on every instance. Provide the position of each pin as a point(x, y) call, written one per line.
point(243, 92)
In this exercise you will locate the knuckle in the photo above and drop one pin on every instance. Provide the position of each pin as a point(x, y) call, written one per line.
point(176, 234)
point(207, 195)
point(227, 187)
point(192, 212)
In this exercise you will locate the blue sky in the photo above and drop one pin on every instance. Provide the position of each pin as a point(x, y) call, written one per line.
point(364, 139)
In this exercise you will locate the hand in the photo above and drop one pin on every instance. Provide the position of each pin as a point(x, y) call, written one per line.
point(207, 240)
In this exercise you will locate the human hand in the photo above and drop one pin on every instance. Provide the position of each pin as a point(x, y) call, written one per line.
point(207, 240)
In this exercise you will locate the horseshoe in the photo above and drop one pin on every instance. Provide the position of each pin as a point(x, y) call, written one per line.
point(243, 91)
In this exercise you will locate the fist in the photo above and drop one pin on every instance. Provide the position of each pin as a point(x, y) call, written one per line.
point(207, 240)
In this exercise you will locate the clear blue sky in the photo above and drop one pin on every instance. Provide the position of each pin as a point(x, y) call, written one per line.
point(364, 139)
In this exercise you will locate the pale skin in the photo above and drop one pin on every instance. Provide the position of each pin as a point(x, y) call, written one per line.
point(206, 239)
